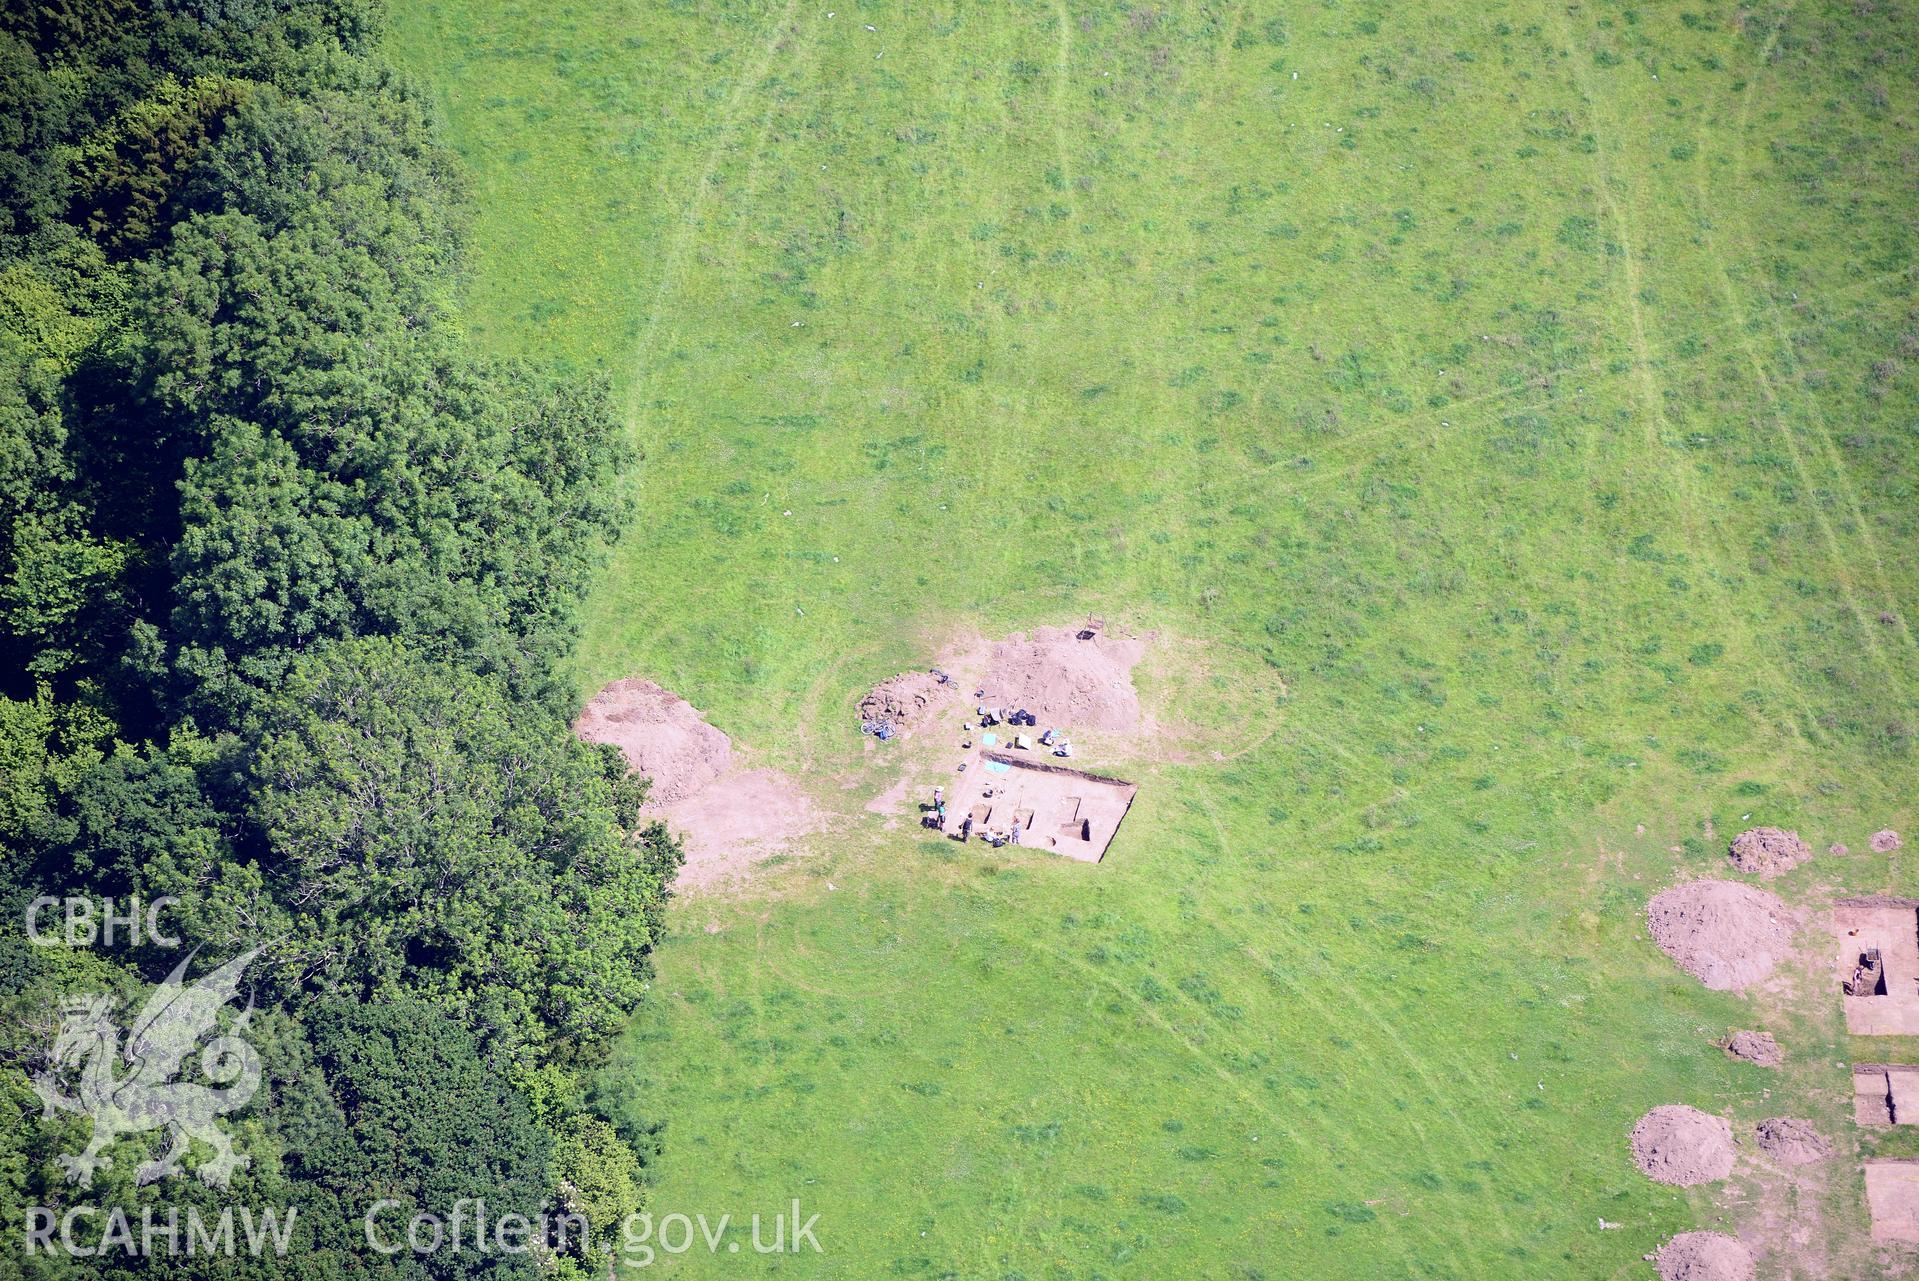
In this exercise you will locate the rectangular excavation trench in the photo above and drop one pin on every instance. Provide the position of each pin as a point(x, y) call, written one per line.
point(1878, 965)
point(1061, 810)
point(1892, 1194)
point(1885, 1094)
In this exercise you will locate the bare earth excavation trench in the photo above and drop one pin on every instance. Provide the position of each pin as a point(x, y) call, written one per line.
point(1729, 935)
point(732, 817)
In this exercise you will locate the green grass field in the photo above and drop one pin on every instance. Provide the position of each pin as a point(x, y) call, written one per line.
point(1530, 387)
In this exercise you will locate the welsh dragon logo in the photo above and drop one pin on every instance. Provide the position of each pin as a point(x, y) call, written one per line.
point(145, 1096)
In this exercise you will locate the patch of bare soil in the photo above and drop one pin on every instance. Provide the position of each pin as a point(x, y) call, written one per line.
point(1878, 965)
point(1872, 1102)
point(1892, 1196)
point(1755, 1047)
point(1768, 851)
point(1791, 1141)
point(1726, 935)
point(903, 701)
point(1885, 841)
point(892, 801)
point(1061, 810)
point(1069, 677)
point(1897, 1090)
point(727, 817)
point(661, 735)
point(740, 819)
point(1704, 1256)
point(1681, 1145)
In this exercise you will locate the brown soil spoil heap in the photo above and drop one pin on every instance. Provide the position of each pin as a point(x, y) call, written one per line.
point(1790, 1141)
point(1704, 1256)
point(730, 818)
point(1077, 677)
point(1768, 851)
point(661, 736)
point(900, 701)
point(1727, 936)
point(1755, 1047)
point(1682, 1146)
point(1884, 842)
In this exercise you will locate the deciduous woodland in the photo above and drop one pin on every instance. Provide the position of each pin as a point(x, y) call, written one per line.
point(286, 568)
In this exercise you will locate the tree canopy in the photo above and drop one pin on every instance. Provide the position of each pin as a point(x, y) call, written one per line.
point(287, 575)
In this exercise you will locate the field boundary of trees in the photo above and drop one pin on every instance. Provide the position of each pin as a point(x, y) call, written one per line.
point(287, 569)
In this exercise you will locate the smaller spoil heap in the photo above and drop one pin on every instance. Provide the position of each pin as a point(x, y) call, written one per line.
point(1791, 1141)
point(1704, 1256)
point(1757, 1048)
point(898, 703)
point(1768, 851)
point(1682, 1146)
